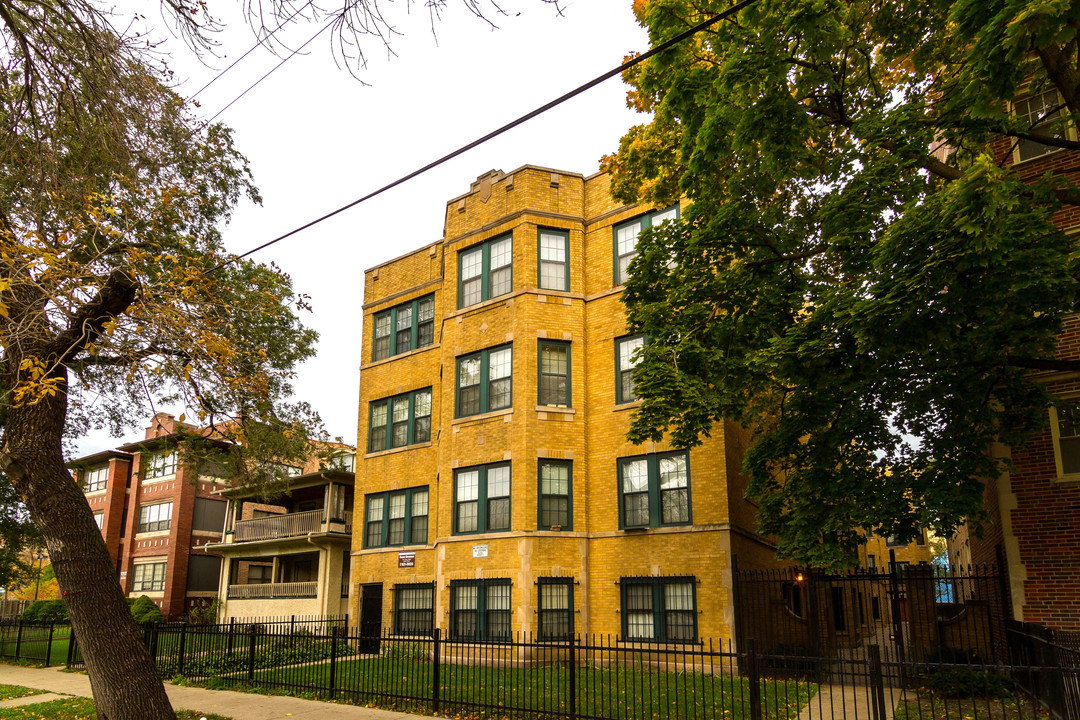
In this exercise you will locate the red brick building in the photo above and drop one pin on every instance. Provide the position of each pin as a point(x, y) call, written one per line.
point(1035, 509)
point(156, 517)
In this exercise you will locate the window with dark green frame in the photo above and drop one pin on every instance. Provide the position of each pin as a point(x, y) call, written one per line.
point(485, 271)
point(654, 490)
point(555, 485)
point(555, 600)
point(403, 328)
point(480, 609)
point(400, 421)
point(483, 381)
point(482, 499)
point(554, 371)
point(554, 254)
point(626, 358)
point(659, 609)
point(414, 609)
point(398, 517)
point(626, 237)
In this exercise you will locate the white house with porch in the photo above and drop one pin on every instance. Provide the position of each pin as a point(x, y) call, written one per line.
point(289, 555)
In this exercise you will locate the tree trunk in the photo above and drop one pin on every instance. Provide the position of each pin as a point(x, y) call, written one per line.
point(125, 682)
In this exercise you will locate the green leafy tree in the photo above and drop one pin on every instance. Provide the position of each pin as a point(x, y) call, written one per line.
point(859, 277)
point(17, 536)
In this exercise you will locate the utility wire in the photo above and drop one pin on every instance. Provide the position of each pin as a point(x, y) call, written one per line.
point(250, 50)
point(269, 72)
point(509, 126)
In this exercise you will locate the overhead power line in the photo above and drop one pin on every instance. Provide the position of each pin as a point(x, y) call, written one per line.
point(509, 126)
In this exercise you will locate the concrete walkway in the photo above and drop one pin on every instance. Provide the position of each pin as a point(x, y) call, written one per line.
point(237, 705)
point(847, 701)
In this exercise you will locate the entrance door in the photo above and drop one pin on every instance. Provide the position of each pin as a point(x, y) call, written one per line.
point(370, 617)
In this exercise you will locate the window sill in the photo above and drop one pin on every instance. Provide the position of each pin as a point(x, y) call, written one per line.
point(410, 353)
point(159, 479)
point(482, 416)
point(95, 493)
point(152, 534)
point(391, 451)
point(556, 409)
point(1069, 478)
point(632, 405)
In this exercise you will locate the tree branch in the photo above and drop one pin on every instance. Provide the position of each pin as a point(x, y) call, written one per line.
point(115, 296)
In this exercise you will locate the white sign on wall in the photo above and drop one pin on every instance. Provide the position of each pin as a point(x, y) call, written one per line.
point(479, 551)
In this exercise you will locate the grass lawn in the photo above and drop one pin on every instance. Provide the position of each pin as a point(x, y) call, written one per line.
point(10, 692)
point(617, 693)
point(35, 641)
point(77, 709)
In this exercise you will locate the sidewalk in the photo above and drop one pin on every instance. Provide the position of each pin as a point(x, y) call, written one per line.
point(237, 705)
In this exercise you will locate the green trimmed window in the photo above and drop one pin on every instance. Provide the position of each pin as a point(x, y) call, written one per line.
point(414, 609)
point(555, 597)
point(398, 517)
point(554, 253)
point(480, 609)
point(659, 609)
point(554, 380)
point(482, 499)
point(555, 485)
point(484, 383)
point(485, 271)
point(149, 577)
point(626, 237)
point(95, 479)
point(400, 420)
point(654, 490)
point(626, 358)
point(403, 328)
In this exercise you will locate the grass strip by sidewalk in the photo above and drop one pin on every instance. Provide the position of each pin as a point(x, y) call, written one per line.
point(10, 692)
point(78, 709)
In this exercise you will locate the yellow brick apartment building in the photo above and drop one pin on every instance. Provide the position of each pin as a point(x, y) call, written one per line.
point(496, 492)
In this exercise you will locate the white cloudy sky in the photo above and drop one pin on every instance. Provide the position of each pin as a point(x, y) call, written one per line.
point(318, 138)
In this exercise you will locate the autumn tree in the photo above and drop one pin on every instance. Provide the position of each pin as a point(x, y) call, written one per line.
point(859, 276)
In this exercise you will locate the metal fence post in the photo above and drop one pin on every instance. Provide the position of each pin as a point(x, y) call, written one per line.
point(183, 643)
point(18, 640)
point(877, 685)
point(232, 626)
point(251, 656)
point(333, 660)
point(435, 680)
point(572, 701)
point(754, 678)
point(48, 645)
point(71, 647)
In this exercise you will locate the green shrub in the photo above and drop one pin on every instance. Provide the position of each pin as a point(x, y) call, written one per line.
point(203, 613)
point(46, 611)
point(289, 653)
point(145, 611)
point(967, 683)
point(954, 656)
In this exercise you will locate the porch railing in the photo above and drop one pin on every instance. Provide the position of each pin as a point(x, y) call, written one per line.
point(283, 526)
point(274, 590)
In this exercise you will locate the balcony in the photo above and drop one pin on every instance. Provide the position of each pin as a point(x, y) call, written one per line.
point(274, 590)
point(288, 525)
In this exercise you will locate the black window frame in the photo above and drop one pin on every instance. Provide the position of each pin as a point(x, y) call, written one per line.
point(661, 615)
point(483, 500)
point(543, 523)
point(544, 614)
point(653, 491)
point(485, 276)
point(541, 400)
point(413, 434)
point(421, 333)
point(621, 397)
point(642, 222)
point(156, 581)
point(484, 381)
point(425, 614)
point(483, 614)
point(158, 525)
point(409, 532)
point(540, 261)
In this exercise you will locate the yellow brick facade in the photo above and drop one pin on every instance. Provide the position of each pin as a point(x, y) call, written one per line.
point(594, 551)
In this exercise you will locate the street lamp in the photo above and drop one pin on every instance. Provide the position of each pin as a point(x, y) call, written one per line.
point(41, 561)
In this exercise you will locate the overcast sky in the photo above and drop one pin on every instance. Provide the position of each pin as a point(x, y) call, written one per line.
point(318, 138)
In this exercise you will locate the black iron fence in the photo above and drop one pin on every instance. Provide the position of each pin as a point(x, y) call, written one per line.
point(594, 678)
point(40, 643)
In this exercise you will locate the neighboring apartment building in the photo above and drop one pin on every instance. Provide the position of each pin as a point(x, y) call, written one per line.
point(1035, 508)
point(156, 518)
point(289, 556)
point(497, 490)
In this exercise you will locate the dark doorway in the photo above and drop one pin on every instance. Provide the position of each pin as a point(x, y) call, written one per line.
point(370, 617)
